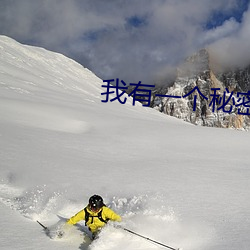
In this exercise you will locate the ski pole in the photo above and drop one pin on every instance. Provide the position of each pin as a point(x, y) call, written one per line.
point(45, 228)
point(146, 238)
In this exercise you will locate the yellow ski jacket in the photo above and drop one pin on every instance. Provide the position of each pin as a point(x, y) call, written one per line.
point(94, 223)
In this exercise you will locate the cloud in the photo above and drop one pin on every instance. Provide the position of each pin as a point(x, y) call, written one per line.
point(232, 50)
point(228, 28)
point(133, 40)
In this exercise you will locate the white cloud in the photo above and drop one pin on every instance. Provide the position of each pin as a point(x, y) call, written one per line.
point(98, 34)
point(228, 28)
point(233, 50)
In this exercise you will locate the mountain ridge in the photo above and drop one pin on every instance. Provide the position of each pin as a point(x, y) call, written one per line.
point(200, 71)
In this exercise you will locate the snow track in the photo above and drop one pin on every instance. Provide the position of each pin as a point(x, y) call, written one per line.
point(32, 204)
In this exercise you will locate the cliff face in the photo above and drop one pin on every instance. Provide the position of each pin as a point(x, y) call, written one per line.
point(223, 107)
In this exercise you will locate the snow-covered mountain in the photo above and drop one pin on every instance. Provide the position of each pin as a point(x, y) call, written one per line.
point(201, 71)
point(182, 185)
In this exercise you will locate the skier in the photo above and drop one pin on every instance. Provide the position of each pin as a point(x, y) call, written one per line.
point(95, 214)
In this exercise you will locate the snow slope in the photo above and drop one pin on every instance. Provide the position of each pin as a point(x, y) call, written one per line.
point(176, 183)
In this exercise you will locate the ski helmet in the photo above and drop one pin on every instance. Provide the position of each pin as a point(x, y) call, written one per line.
point(95, 202)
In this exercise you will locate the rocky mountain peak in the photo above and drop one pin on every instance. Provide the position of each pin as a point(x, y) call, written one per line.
point(206, 106)
point(196, 64)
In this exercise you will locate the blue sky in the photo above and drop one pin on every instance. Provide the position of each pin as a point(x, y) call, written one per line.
point(135, 40)
point(218, 17)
